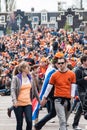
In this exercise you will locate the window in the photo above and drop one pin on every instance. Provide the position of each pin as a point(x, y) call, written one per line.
point(70, 20)
point(51, 25)
point(52, 19)
point(8, 17)
point(29, 18)
point(2, 19)
point(35, 19)
point(44, 17)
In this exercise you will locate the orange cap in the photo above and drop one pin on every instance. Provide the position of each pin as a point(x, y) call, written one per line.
point(59, 54)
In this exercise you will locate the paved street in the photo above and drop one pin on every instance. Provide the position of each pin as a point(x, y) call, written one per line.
point(10, 123)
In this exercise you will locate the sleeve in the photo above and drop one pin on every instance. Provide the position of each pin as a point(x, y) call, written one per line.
point(52, 80)
point(34, 88)
point(73, 78)
point(73, 89)
point(14, 89)
point(48, 90)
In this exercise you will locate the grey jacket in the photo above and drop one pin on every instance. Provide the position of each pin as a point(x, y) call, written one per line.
point(16, 84)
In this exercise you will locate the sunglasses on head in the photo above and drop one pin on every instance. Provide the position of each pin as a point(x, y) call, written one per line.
point(61, 63)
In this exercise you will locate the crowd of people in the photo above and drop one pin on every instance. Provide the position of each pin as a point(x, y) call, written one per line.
point(44, 55)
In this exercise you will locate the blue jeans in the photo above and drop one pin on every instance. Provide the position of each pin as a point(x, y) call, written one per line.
point(77, 116)
point(76, 101)
point(27, 111)
point(79, 110)
point(49, 116)
point(3, 90)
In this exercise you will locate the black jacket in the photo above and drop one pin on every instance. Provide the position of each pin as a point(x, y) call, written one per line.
point(80, 74)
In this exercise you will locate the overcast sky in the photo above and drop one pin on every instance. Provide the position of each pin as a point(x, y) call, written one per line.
point(49, 5)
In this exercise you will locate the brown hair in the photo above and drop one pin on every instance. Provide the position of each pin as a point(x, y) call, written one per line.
point(23, 65)
point(83, 58)
point(16, 70)
point(0, 72)
point(63, 58)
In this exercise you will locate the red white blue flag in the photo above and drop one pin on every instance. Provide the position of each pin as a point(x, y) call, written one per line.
point(35, 103)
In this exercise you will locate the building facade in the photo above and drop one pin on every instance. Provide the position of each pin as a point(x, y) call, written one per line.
point(16, 20)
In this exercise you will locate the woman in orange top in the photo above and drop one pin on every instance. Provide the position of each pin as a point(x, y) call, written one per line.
point(21, 95)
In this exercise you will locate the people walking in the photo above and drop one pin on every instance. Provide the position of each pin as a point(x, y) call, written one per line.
point(51, 112)
point(62, 81)
point(21, 87)
point(81, 81)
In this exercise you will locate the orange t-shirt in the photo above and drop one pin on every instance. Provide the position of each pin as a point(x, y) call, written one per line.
point(24, 95)
point(62, 83)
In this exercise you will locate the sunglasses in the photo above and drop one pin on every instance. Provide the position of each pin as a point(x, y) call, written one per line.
point(61, 63)
point(85, 53)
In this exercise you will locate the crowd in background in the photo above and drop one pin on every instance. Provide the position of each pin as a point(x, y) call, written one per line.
point(38, 47)
point(33, 44)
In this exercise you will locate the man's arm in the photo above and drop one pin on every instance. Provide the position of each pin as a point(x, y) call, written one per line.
point(45, 96)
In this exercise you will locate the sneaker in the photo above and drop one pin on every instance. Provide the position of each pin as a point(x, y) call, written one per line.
point(67, 125)
point(9, 112)
point(85, 115)
point(77, 128)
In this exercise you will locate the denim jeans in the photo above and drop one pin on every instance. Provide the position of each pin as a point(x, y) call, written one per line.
point(77, 116)
point(79, 111)
point(27, 111)
point(5, 91)
point(49, 116)
point(2, 90)
point(74, 106)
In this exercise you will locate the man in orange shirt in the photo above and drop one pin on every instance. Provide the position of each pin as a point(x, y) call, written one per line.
point(63, 81)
